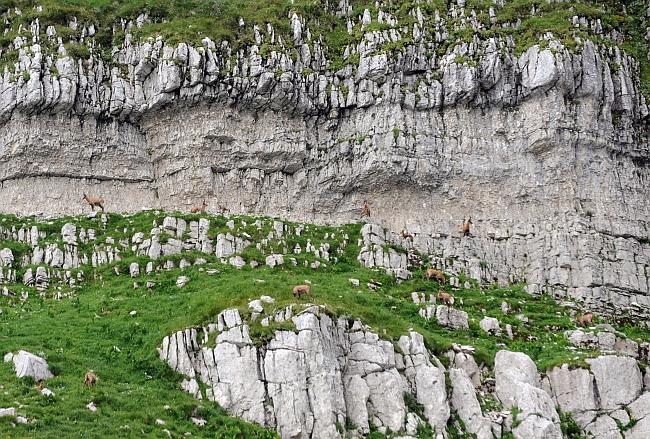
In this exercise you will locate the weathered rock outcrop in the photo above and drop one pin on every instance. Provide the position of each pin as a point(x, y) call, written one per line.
point(304, 383)
point(546, 151)
point(467, 406)
point(517, 386)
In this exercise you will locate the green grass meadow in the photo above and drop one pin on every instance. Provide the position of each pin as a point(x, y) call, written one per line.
point(93, 327)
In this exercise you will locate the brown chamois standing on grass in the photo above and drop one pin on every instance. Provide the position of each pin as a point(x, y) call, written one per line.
point(445, 297)
point(199, 209)
point(587, 318)
point(223, 209)
point(437, 275)
point(366, 210)
point(406, 235)
point(99, 202)
point(466, 226)
point(302, 289)
point(91, 379)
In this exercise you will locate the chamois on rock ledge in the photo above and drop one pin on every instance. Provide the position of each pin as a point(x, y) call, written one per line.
point(466, 227)
point(99, 202)
point(586, 319)
point(199, 209)
point(366, 210)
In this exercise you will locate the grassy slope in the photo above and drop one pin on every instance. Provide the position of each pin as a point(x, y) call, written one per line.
point(93, 329)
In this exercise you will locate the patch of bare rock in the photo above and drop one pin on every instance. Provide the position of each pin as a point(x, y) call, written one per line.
point(309, 382)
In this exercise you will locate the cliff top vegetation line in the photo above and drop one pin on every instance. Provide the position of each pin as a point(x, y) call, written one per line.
point(97, 26)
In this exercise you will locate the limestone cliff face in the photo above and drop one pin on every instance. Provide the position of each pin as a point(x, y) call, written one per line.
point(304, 383)
point(547, 151)
point(331, 380)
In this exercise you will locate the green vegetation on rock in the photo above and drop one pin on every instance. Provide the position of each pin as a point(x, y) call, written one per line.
point(520, 22)
point(106, 325)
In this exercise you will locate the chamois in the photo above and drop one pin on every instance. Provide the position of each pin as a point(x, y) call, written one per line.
point(99, 202)
point(366, 210)
point(437, 275)
point(466, 226)
point(406, 235)
point(91, 379)
point(445, 297)
point(302, 289)
point(199, 209)
point(587, 318)
point(223, 209)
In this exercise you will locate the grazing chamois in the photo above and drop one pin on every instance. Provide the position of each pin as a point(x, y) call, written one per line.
point(199, 209)
point(223, 209)
point(587, 318)
point(91, 379)
point(437, 275)
point(466, 226)
point(99, 202)
point(366, 210)
point(302, 289)
point(445, 297)
point(406, 235)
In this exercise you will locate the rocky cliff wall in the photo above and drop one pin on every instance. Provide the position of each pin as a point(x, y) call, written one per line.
point(547, 152)
point(328, 379)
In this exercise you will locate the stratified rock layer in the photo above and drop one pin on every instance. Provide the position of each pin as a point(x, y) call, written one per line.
point(546, 152)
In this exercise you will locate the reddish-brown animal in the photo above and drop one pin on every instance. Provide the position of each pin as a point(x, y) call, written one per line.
point(466, 227)
point(199, 209)
point(99, 202)
point(302, 289)
point(587, 318)
point(445, 297)
point(223, 209)
point(437, 275)
point(91, 379)
point(366, 210)
point(406, 235)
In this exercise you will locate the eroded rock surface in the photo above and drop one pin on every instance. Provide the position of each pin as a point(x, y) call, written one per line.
point(517, 386)
point(528, 146)
point(304, 383)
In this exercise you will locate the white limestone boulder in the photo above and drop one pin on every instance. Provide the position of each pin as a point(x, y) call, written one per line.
point(6, 257)
point(69, 234)
point(573, 391)
point(604, 427)
point(134, 269)
point(464, 401)
point(517, 386)
point(26, 364)
point(640, 410)
point(8, 412)
point(618, 379)
point(490, 325)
